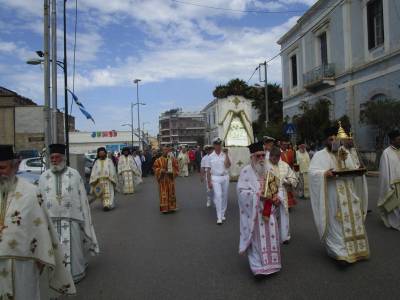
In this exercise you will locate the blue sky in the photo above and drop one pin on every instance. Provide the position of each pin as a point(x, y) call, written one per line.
point(180, 51)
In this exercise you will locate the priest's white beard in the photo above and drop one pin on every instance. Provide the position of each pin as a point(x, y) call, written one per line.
point(7, 183)
point(259, 168)
point(58, 168)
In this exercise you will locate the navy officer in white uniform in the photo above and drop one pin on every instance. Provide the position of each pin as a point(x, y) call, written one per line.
point(218, 165)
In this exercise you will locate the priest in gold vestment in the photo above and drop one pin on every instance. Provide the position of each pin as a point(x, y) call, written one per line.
point(389, 183)
point(32, 264)
point(339, 210)
point(165, 170)
point(127, 171)
point(104, 179)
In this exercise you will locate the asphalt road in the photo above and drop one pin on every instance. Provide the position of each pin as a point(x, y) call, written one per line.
point(146, 255)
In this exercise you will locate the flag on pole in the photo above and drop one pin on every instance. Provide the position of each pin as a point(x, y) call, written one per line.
point(81, 107)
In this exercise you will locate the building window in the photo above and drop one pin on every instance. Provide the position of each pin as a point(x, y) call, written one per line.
point(323, 48)
point(214, 117)
point(375, 23)
point(293, 65)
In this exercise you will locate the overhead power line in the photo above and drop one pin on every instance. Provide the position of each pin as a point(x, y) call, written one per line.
point(239, 10)
point(255, 70)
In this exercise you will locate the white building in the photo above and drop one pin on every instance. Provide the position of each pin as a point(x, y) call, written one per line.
point(219, 116)
point(346, 52)
point(83, 141)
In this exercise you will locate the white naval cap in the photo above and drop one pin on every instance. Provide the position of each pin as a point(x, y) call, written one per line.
point(217, 141)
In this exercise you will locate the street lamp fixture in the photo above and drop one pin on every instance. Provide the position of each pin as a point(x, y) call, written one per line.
point(35, 61)
point(39, 61)
point(136, 81)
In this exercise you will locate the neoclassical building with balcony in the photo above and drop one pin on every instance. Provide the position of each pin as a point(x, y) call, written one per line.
point(345, 51)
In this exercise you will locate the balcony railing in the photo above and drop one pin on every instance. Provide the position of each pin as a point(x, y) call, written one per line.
point(320, 77)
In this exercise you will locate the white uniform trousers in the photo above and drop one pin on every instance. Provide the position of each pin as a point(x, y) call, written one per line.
point(208, 191)
point(220, 186)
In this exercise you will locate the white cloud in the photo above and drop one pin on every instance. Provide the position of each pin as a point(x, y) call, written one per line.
point(182, 41)
point(235, 55)
point(14, 49)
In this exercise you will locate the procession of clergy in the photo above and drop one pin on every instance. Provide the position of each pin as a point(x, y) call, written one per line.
point(334, 179)
point(46, 232)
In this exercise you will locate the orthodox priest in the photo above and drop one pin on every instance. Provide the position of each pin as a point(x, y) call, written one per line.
point(127, 171)
point(287, 180)
point(165, 170)
point(183, 161)
point(303, 161)
point(103, 179)
point(259, 237)
point(289, 157)
point(31, 258)
point(339, 211)
point(64, 195)
point(389, 182)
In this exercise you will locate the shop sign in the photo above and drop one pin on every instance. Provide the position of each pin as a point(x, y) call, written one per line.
point(96, 134)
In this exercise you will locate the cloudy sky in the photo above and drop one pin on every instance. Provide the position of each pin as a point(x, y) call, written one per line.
point(179, 50)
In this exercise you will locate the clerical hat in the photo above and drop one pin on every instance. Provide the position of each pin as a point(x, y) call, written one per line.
point(6, 152)
point(101, 149)
point(332, 130)
point(57, 148)
point(256, 147)
point(125, 149)
point(393, 134)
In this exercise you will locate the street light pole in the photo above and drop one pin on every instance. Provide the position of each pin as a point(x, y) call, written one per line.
point(132, 123)
point(54, 122)
point(46, 77)
point(138, 110)
point(66, 116)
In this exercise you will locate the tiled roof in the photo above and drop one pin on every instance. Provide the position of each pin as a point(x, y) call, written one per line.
point(4, 92)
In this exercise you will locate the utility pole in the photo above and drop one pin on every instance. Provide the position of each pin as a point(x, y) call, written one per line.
point(46, 79)
point(138, 113)
point(265, 65)
point(66, 115)
point(132, 123)
point(54, 122)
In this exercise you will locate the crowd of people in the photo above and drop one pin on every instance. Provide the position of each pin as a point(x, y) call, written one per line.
point(279, 174)
point(46, 232)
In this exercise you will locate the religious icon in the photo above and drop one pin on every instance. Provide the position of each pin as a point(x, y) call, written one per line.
point(270, 194)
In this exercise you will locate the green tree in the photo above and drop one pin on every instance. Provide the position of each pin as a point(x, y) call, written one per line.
point(275, 111)
point(312, 121)
point(382, 115)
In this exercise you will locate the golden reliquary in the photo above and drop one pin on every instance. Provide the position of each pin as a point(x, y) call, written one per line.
point(342, 155)
point(271, 185)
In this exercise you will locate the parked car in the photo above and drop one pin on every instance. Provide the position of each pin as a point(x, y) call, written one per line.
point(91, 156)
point(34, 165)
point(29, 176)
point(88, 166)
point(28, 154)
